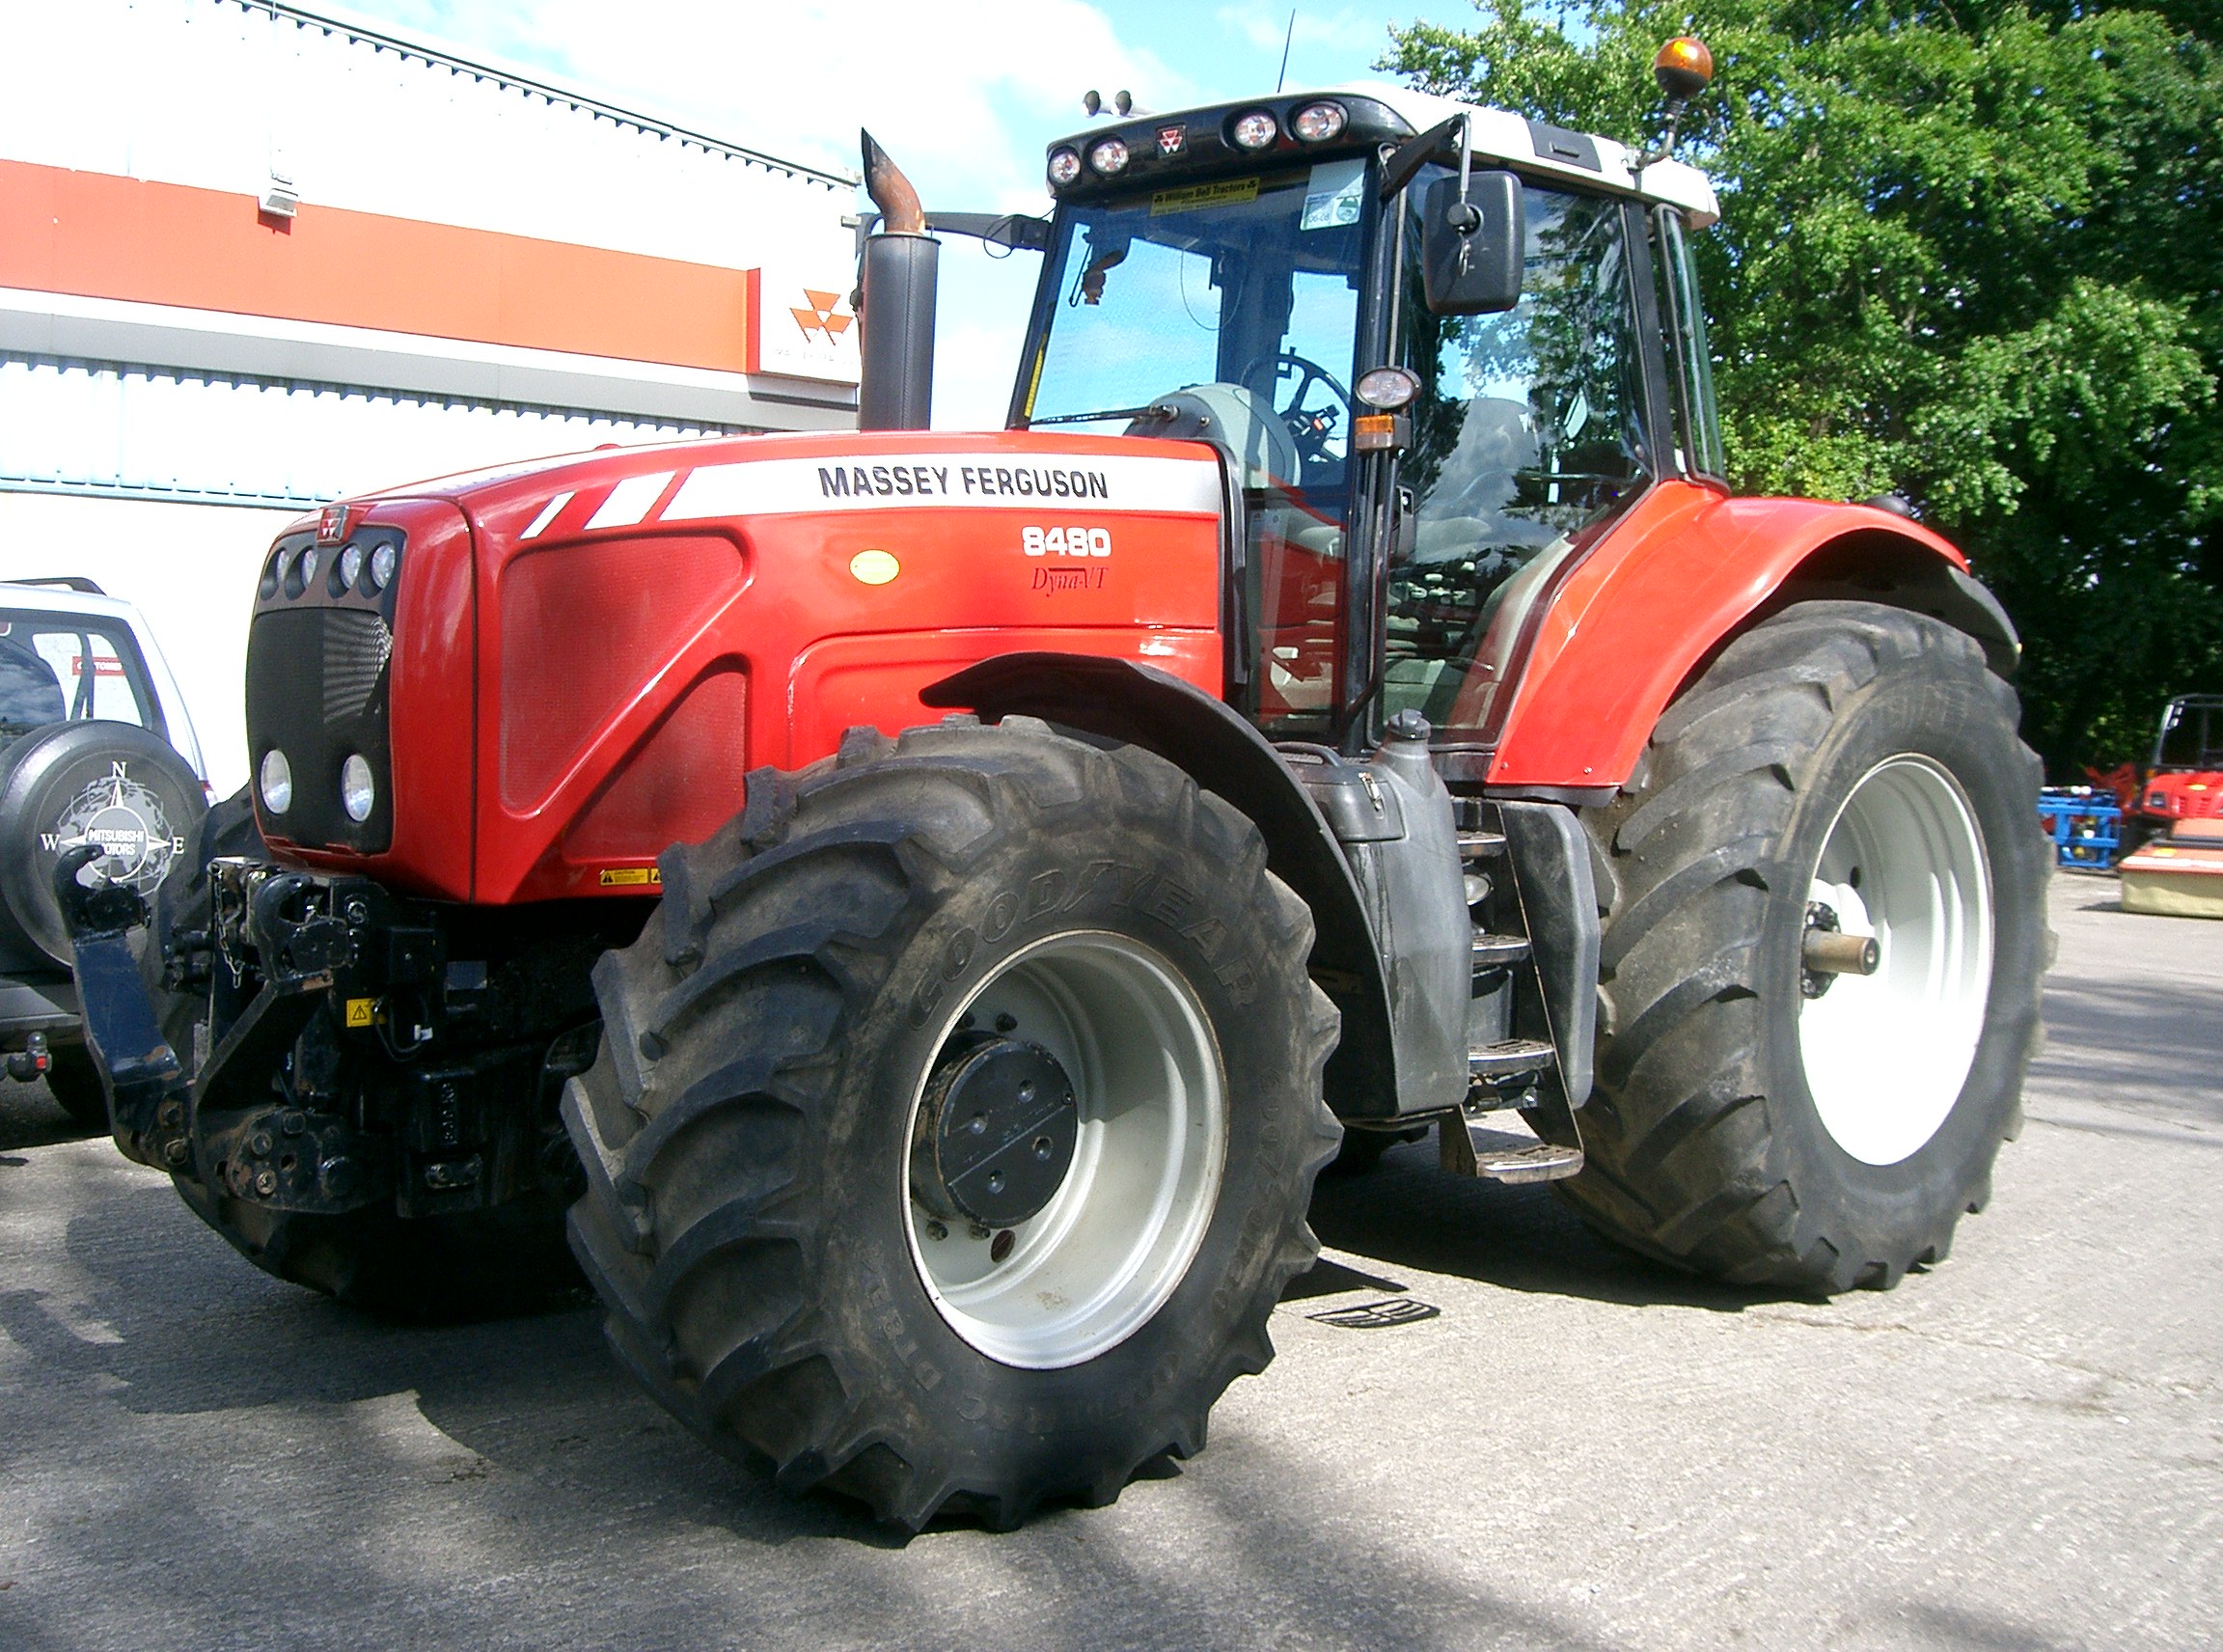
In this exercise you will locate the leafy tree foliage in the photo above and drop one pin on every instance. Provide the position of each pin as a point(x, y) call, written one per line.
point(1972, 251)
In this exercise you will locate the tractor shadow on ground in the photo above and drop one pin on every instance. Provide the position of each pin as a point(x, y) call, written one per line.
point(1408, 1214)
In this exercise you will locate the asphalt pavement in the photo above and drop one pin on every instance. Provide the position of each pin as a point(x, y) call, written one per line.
point(2021, 1447)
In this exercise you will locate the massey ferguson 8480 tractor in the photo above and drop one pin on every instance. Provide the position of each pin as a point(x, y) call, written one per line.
point(954, 891)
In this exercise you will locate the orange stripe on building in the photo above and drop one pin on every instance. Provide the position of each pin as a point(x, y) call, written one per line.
point(97, 235)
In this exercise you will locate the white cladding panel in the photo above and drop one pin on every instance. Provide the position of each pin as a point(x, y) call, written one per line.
point(217, 95)
point(150, 433)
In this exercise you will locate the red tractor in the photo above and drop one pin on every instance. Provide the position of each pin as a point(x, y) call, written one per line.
point(954, 891)
point(2184, 782)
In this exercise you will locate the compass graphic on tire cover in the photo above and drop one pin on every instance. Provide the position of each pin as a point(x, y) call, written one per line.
point(126, 822)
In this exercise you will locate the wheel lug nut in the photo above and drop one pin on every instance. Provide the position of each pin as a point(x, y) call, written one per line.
point(1042, 1146)
point(936, 1231)
point(995, 1181)
point(1006, 1023)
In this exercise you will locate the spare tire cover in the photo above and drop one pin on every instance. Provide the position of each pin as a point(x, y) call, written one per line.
point(110, 784)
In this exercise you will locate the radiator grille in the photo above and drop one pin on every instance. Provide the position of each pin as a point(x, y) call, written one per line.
point(317, 690)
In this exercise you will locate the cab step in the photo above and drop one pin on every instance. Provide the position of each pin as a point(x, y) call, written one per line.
point(1490, 1063)
point(1468, 1145)
point(1499, 951)
point(1478, 846)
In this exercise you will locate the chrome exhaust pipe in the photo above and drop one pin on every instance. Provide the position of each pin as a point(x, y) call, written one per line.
point(900, 269)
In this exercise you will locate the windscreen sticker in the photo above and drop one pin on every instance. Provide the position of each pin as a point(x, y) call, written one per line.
point(945, 479)
point(1332, 197)
point(1225, 192)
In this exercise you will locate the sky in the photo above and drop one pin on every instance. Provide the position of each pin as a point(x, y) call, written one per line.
point(964, 94)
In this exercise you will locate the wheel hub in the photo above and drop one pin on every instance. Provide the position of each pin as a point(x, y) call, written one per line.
point(996, 1131)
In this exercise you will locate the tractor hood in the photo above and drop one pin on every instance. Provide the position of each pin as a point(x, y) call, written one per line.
point(608, 641)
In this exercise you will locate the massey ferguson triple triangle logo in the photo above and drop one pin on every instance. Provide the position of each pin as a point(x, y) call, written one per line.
point(825, 317)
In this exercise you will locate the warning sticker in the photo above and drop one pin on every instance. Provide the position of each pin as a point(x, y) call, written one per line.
point(630, 877)
point(362, 1012)
point(1226, 191)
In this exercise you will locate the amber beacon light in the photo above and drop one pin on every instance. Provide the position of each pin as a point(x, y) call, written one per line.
point(1683, 68)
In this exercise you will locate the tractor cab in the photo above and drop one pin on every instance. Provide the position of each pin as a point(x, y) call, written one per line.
point(1442, 347)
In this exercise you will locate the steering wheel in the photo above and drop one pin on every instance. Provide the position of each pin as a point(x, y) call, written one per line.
point(1309, 427)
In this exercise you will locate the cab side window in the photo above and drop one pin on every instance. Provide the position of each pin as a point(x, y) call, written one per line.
point(1529, 429)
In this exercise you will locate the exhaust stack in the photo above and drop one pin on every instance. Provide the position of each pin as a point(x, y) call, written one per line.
point(896, 315)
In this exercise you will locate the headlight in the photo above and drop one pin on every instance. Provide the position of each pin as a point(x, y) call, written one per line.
point(383, 561)
point(1064, 166)
point(1256, 130)
point(357, 790)
point(350, 566)
point(1317, 123)
point(307, 569)
point(1109, 156)
point(277, 782)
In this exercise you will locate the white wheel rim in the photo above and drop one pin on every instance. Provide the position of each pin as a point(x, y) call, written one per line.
point(1093, 1265)
point(1886, 1054)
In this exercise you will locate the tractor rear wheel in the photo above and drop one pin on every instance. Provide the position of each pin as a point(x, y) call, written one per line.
point(1848, 769)
point(477, 1264)
point(955, 1121)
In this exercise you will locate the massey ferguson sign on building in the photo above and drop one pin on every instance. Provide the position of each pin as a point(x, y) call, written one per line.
point(253, 257)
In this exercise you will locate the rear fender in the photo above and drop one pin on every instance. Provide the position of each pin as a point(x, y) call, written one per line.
point(1662, 594)
point(1120, 700)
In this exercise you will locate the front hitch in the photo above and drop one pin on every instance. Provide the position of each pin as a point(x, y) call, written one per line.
point(145, 1084)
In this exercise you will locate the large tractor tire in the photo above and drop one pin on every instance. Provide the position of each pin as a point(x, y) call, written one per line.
point(955, 1121)
point(1840, 766)
point(479, 1265)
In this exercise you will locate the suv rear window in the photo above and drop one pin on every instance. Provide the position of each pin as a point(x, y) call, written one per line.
point(69, 667)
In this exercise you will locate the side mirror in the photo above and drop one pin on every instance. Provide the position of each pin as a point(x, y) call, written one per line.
point(1471, 251)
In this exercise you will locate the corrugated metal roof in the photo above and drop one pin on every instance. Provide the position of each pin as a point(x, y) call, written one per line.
point(512, 78)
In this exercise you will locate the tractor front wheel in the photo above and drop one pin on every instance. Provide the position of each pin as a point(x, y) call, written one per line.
point(1825, 930)
point(955, 1121)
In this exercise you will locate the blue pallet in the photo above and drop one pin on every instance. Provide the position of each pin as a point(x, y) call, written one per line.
point(2086, 827)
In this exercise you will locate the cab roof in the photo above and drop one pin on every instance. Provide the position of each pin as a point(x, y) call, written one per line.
point(1379, 114)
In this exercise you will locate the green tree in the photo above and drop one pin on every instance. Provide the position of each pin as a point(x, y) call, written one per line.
point(1970, 251)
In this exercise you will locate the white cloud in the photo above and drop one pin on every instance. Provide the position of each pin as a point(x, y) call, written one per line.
point(1267, 27)
point(961, 95)
point(964, 98)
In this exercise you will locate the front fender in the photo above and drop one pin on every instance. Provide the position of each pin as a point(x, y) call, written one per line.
point(1120, 700)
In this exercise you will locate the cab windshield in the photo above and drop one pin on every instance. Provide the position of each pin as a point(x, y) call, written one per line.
point(1244, 292)
point(1229, 310)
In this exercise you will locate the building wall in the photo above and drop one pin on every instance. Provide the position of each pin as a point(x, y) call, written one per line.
point(479, 268)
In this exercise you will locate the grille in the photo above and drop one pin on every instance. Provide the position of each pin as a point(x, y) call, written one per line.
point(317, 690)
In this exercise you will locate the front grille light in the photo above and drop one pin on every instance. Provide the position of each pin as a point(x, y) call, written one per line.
point(383, 562)
point(350, 566)
point(358, 790)
point(277, 782)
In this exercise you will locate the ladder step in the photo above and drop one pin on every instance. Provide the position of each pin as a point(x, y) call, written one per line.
point(1473, 1148)
point(1480, 845)
point(1490, 1063)
point(1496, 951)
